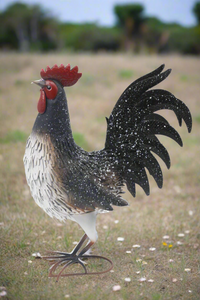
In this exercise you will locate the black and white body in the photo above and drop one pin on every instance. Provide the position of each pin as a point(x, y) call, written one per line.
point(68, 182)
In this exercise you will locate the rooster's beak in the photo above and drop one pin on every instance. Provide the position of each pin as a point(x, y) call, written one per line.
point(41, 82)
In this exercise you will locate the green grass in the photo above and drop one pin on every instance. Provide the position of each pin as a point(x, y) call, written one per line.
point(26, 229)
point(184, 77)
point(13, 137)
point(80, 140)
point(88, 79)
point(197, 118)
point(20, 82)
point(126, 74)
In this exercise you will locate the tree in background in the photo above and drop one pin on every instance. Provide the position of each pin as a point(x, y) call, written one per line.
point(89, 37)
point(27, 27)
point(14, 21)
point(130, 18)
point(31, 28)
point(196, 11)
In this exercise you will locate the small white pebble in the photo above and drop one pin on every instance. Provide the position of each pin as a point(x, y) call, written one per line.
point(152, 249)
point(136, 246)
point(138, 272)
point(179, 243)
point(120, 239)
point(128, 252)
point(112, 271)
point(127, 279)
point(116, 288)
point(181, 235)
point(174, 280)
point(150, 280)
point(36, 255)
point(191, 213)
point(171, 260)
point(165, 237)
point(187, 270)
point(105, 227)
point(75, 243)
point(25, 273)
point(142, 279)
point(177, 189)
point(3, 293)
point(187, 231)
point(189, 291)
point(30, 261)
point(67, 296)
point(116, 221)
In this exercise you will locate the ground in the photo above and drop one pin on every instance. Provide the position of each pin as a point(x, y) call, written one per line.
point(159, 249)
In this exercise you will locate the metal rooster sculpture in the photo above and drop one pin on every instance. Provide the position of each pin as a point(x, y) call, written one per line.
point(70, 183)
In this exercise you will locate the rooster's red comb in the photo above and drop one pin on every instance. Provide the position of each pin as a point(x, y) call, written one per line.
point(64, 75)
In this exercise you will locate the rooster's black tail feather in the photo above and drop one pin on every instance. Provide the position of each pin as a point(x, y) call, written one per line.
point(133, 125)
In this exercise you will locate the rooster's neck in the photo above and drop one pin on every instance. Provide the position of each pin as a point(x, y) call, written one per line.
point(55, 122)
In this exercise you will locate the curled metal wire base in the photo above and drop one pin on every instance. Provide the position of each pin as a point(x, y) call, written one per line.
point(77, 256)
point(67, 259)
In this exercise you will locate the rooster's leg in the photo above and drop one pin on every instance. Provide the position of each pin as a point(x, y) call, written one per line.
point(75, 257)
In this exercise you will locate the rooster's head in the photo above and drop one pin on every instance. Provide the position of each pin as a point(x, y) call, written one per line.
point(52, 82)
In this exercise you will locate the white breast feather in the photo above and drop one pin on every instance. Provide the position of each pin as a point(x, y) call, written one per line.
point(45, 189)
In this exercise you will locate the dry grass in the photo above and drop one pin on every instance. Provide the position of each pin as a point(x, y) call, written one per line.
point(25, 229)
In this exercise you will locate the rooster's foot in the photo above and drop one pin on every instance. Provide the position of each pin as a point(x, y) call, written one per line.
point(64, 260)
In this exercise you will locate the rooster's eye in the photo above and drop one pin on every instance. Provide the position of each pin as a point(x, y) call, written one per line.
point(50, 89)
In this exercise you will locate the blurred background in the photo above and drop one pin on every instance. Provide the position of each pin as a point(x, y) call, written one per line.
point(107, 25)
point(113, 43)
